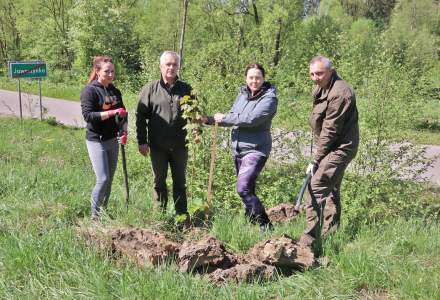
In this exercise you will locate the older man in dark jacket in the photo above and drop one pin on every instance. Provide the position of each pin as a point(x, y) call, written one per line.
point(160, 130)
point(334, 121)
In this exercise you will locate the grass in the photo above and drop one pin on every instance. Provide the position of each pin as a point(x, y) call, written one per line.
point(51, 88)
point(45, 183)
point(48, 88)
point(427, 130)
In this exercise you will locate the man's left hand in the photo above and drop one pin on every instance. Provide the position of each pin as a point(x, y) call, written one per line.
point(312, 167)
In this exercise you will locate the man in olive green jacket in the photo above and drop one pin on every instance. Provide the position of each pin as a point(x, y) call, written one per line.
point(334, 122)
point(160, 131)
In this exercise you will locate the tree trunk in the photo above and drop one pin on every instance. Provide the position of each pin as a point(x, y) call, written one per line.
point(277, 55)
point(254, 7)
point(311, 7)
point(182, 32)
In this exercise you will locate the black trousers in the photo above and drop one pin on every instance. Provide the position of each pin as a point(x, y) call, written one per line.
point(177, 160)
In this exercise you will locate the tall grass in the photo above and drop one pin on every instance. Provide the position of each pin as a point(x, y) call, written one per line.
point(45, 183)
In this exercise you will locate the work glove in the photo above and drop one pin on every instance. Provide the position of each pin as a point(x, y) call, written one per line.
point(122, 139)
point(119, 111)
point(312, 167)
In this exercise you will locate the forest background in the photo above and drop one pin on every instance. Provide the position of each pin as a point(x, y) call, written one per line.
point(388, 50)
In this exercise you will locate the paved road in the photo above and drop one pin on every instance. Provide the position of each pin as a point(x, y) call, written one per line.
point(65, 111)
point(69, 113)
point(434, 172)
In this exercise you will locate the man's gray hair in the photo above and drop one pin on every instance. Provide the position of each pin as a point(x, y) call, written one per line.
point(166, 53)
point(327, 62)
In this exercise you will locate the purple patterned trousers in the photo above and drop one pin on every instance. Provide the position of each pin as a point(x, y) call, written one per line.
point(247, 169)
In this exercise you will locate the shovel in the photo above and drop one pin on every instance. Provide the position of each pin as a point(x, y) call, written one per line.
point(302, 190)
point(120, 121)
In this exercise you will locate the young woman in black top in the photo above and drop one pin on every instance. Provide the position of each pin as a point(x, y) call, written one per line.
point(102, 106)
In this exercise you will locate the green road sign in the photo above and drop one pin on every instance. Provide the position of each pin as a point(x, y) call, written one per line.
point(27, 69)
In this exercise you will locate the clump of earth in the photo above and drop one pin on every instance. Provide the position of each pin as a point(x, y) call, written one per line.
point(283, 212)
point(206, 256)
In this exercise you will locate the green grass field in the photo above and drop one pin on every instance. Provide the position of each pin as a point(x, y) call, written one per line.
point(45, 183)
point(48, 89)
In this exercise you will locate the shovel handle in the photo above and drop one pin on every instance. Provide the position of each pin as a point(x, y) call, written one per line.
point(302, 190)
point(120, 122)
point(124, 171)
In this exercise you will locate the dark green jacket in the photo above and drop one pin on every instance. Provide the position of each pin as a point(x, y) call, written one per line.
point(159, 121)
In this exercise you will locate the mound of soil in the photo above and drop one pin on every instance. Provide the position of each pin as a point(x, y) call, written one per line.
point(146, 247)
point(246, 272)
point(282, 213)
point(205, 256)
point(284, 253)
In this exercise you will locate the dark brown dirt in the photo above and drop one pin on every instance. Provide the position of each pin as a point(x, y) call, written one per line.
point(205, 256)
point(146, 247)
point(283, 212)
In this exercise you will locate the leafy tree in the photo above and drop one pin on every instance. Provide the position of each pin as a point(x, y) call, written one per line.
point(46, 34)
point(10, 39)
point(334, 9)
point(410, 38)
point(360, 47)
point(106, 27)
point(377, 10)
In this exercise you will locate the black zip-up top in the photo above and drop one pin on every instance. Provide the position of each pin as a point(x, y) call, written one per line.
point(95, 98)
point(159, 121)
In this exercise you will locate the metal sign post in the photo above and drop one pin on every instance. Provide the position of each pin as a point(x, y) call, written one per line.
point(39, 94)
point(19, 99)
point(33, 69)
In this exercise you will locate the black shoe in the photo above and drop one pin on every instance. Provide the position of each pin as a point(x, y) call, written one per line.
point(268, 227)
point(95, 219)
point(183, 224)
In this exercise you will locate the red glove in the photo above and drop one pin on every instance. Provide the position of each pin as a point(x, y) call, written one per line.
point(120, 111)
point(122, 139)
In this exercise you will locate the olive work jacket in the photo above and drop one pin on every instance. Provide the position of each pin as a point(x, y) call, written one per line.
point(159, 121)
point(334, 119)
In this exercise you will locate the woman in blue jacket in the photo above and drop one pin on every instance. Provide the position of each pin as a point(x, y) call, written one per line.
point(251, 119)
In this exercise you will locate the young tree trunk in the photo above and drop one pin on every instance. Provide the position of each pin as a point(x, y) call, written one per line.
point(182, 32)
point(311, 7)
point(277, 55)
point(254, 7)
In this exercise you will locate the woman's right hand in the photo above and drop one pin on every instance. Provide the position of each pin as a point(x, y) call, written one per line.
point(218, 117)
point(119, 111)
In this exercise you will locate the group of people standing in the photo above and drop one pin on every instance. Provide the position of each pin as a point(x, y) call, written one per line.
point(160, 134)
